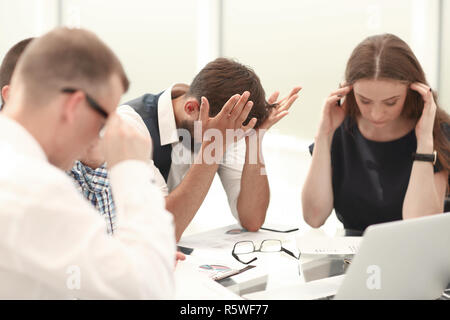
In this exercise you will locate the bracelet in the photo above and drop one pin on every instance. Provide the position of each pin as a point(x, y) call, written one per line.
point(429, 157)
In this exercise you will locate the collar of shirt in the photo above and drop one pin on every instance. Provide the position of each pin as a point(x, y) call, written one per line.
point(96, 180)
point(166, 119)
point(23, 142)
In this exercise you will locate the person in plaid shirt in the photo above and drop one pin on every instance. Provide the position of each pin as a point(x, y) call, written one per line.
point(94, 185)
point(90, 176)
point(90, 173)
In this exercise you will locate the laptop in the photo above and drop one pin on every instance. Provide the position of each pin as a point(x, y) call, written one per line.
point(408, 259)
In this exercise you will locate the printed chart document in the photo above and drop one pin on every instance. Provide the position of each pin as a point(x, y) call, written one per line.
point(220, 265)
point(191, 284)
point(328, 245)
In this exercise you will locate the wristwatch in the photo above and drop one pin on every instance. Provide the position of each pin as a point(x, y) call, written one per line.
point(430, 157)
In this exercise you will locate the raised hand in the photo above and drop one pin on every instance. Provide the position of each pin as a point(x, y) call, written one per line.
point(333, 112)
point(282, 108)
point(424, 127)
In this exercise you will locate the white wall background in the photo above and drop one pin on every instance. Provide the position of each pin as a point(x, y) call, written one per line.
point(155, 40)
point(22, 19)
point(287, 42)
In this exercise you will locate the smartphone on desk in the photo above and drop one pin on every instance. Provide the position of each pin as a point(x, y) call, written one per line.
point(279, 228)
point(185, 250)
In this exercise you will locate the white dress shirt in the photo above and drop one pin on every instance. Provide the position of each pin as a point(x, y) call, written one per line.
point(230, 168)
point(53, 244)
point(127, 113)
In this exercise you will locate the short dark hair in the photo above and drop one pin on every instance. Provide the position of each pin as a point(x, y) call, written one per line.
point(68, 57)
point(9, 62)
point(222, 78)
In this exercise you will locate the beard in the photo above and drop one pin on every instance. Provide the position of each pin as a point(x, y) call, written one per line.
point(190, 144)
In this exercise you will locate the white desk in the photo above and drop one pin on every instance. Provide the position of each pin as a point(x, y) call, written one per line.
point(304, 291)
point(274, 272)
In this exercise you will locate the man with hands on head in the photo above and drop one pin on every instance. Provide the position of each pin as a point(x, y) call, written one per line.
point(225, 96)
point(53, 243)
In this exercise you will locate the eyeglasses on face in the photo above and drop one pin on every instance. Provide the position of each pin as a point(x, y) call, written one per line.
point(268, 245)
point(91, 102)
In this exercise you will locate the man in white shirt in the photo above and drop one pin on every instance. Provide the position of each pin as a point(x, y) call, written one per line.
point(53, 244)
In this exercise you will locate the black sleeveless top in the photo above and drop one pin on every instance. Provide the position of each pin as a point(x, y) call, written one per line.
point(369, 178)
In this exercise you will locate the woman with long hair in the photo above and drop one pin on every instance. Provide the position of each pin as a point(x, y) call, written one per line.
point(383, 153)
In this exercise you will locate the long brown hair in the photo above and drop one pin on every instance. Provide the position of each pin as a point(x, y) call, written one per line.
point(386, 56)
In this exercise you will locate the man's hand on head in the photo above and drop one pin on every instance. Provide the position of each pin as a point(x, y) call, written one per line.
point(231, 117)
point(281, 108)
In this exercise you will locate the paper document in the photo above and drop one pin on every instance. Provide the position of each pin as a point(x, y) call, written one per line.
point(307, 291)
point(193, 285)
point(226, 237)
point(328, 245)
point(219, 265)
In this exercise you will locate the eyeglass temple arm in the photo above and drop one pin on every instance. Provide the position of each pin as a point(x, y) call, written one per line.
point(290, 253)
point(237, 258)
point(91, 101)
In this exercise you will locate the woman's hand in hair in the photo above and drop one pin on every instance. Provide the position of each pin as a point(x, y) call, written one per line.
point(333, 113)
point(281, 109)
point(424, 127)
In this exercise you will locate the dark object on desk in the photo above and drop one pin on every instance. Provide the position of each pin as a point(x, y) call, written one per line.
point(231, 273)
point(185, 250)
point(282, 231)
point(326, 298)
